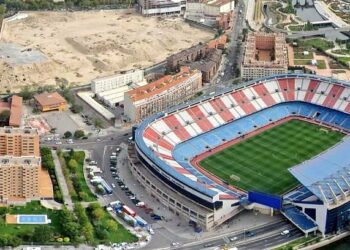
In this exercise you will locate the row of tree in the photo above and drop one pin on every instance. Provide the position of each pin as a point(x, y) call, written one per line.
point(18, 5)
point(48, 164)
point(77, 134)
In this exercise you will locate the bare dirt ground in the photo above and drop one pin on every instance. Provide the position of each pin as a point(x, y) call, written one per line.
point(81, 46)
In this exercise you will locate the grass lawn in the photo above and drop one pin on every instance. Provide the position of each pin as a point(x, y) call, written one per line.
point(300, 55)
point(261, 162)
point(302, 62)
point(344, 60)
point(121, 235)
point(296, 27)
point(33, 207)
point(318, 43)
point(321, 64)
point(341, 51)
point(114, 236)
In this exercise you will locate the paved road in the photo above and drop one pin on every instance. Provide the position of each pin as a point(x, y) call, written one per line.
point(101, 151)
point(268, 235)
point(233, 58)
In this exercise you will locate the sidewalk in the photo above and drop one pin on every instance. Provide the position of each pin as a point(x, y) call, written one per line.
point(62, 181)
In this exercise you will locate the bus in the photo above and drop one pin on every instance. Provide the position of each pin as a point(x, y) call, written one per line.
point(128, 210)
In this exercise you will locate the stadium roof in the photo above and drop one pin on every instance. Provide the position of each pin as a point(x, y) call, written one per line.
point(328, 174)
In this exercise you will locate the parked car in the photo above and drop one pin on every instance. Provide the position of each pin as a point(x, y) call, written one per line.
point(113, 185)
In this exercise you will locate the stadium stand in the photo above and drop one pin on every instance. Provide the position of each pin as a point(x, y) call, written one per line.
point(168, 141)
point(300, 219)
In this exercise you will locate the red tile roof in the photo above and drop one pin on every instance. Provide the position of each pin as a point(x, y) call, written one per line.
point(16, 111)
point(47, 99)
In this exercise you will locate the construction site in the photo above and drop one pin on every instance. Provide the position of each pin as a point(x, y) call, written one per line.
point(80, 46)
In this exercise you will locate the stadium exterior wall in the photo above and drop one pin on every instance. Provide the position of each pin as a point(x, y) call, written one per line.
point(199, 193)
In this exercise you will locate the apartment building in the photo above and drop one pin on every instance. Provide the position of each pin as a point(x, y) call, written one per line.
point(203, 57)
point(192, 54)
point(162, 94)
point(110, 89)
point(19, 178)
point(265, 54)
point(208, 65)
point(19, 142)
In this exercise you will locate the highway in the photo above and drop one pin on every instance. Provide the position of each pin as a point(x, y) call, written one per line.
point(265, 236)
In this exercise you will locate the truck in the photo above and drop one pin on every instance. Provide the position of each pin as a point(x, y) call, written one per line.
point(130, 220)
point(141, 222)
point(129, 211)
point(108, 189)
point(115, 203)
point(100, 189)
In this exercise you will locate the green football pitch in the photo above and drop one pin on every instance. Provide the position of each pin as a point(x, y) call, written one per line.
point(261, 162)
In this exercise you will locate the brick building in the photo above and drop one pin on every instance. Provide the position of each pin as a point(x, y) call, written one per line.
point(203, 57)
point(265, 54)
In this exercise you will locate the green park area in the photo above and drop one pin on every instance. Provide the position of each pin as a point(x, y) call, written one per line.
point(72, 163)
point(92, 225)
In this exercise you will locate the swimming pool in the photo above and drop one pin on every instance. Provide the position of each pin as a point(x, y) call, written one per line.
point(32, 219)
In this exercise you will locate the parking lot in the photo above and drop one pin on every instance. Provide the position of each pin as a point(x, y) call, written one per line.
point(61, 121)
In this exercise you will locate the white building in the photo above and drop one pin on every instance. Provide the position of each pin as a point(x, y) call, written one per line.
point(111, 89)
point(161, 7)
point(207, 11)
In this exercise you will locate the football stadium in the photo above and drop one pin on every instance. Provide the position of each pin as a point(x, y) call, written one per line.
point(275, 144)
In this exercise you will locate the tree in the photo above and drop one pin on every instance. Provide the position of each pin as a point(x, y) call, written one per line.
point(42, 234)
point(98, 123)
point(101, 233)
point(112, 225)
point(83, 196)
point(73, 165)
point(5, 116)
point(67, 134)
point(72, 229)
point(77, 108)
point(26, 93)
point(79, 156)
point(98, 213)
point(78, 134)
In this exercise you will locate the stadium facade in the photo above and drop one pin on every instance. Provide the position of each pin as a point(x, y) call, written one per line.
point(166, 142)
